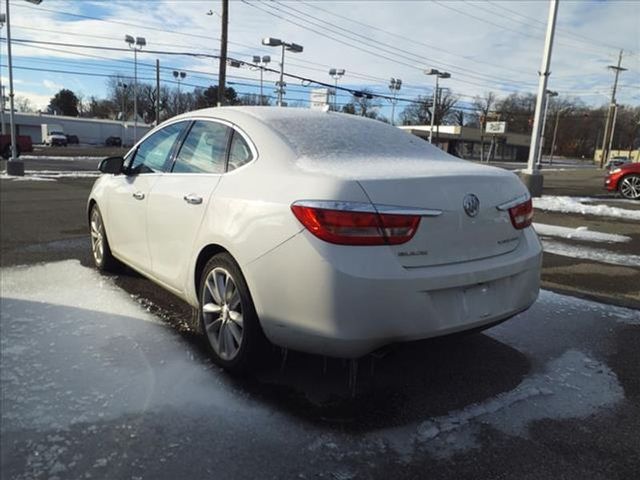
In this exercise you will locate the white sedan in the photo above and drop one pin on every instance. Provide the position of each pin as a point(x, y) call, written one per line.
point(320, 232)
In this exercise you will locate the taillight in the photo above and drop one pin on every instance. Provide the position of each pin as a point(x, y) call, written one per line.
point(521, 215)
point(353, 227)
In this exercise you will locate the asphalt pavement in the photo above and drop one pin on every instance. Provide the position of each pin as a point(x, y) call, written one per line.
point(101, 378)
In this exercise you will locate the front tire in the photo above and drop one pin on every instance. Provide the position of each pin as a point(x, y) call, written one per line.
point(630, 187)
point(227, 316)
point(102, 257)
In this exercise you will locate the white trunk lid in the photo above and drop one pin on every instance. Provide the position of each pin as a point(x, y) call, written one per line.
point(453, 236)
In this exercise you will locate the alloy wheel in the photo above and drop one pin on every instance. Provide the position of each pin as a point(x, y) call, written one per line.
point(222, 313)
point(630, 187)
point(97, 237)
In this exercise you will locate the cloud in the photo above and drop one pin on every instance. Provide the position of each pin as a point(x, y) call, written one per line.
point(49, 85)
point(485, 45)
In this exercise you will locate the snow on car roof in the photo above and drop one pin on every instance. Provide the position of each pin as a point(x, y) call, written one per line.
point(346, 145)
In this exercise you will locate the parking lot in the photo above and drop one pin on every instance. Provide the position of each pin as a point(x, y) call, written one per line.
point(101, 379)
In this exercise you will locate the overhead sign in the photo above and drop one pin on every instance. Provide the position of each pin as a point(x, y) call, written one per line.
point(319, 98)
point(496, 127)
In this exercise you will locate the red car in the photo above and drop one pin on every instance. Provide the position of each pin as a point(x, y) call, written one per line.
point(624, 179)
point(23, 141)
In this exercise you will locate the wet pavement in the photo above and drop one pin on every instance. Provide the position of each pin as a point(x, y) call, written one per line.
point(96, 386)
point(100, 378)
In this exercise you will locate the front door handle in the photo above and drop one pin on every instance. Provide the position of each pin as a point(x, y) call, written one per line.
point(193, 199)
point(138, 196)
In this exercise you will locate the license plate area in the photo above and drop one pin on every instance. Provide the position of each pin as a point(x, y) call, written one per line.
point(478, 301)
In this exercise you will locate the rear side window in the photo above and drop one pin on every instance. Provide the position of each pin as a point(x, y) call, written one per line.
point(239, 153)
point(204, 149)
point(152, 154)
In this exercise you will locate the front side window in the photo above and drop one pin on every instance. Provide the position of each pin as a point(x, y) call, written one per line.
point(239, 153)
point(152, 154)
point(204, 149)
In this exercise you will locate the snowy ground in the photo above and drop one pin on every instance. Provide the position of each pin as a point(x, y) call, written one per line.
point(583, 206)
point(48, 175)
point(95, 386)
point(574, 242)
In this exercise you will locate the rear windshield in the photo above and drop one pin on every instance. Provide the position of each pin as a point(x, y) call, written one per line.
point(329, 137)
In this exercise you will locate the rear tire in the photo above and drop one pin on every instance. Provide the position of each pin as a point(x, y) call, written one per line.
point(629, 187)
point(228, 318)
point(101, 252)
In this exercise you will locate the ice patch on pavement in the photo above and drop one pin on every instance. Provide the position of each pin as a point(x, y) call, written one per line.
point(580, 233)
point(571, 386)
point(583, 206)
point(588, 253)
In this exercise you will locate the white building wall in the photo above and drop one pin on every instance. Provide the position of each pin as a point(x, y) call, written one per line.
point(89, 130)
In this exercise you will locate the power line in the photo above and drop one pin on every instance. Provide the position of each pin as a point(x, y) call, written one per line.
point(376, 54)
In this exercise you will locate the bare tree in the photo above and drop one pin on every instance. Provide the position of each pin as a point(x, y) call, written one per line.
point(23, 104)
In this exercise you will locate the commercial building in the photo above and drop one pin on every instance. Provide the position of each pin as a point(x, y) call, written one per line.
point(466, 142)
point(88, 130)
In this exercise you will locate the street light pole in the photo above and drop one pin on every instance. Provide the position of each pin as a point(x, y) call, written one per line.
point(124, 115)
point(179, 76)
point(394, 85)
point(434, 106)
point(14, 167)
point(336, 73)
point(261, 63)
point(135, 44)
point(292, 47)
point(532, 177)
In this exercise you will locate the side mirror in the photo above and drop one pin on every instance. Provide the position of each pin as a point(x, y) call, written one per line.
point(111, 165)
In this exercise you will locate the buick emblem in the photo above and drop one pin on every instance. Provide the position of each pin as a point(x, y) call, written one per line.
point(471, 204)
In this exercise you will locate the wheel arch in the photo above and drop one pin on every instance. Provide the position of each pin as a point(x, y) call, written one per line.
point(203, 257)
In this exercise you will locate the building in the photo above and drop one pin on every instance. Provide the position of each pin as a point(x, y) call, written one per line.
point(88, 130)
point(465, 142)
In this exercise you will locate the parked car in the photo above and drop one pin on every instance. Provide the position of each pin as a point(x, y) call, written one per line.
point(624, 179)
point(23, 142)
point(113, 142)
point(73, 140)
point(316, 231)
point(616, 162)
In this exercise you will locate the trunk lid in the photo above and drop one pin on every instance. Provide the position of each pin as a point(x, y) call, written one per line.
point(453, 236)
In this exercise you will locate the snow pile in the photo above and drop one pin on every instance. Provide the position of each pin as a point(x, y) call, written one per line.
point(60, 157)
point(587, 253)
point(49, 175)
point(582, 205)
point(580, 233)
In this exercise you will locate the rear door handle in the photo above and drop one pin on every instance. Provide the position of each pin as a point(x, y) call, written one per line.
point(193, 199)
point(138, 196)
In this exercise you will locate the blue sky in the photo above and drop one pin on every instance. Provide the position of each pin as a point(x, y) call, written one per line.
point(486, 45)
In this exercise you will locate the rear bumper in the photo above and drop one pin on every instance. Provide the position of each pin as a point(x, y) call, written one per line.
point(348, 301)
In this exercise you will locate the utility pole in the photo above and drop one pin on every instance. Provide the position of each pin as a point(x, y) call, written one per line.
point(548, 94)
point(531, 176)
point(553, 142)
point(608, 127)
point(613, 126)
point(3, 19)
point(222, 72)
point(157, 92)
